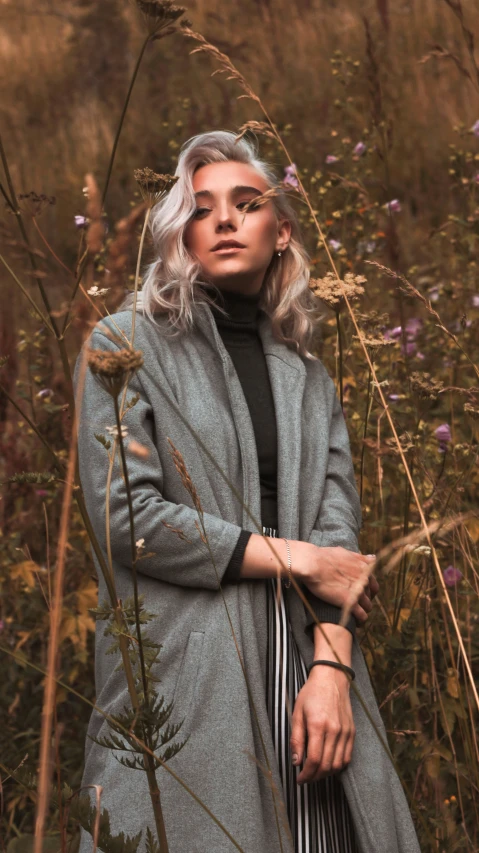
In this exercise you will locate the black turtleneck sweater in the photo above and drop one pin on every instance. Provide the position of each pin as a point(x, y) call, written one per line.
point(240, 335)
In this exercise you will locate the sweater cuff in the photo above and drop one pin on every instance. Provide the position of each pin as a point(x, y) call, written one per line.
point(324, 612)
point(232, 572)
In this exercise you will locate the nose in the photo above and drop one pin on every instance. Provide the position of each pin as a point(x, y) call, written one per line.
point(225, 218)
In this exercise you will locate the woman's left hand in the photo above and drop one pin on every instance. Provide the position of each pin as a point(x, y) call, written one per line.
point(322, 714)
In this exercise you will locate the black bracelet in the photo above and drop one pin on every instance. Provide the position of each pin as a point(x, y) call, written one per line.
point(336, 665)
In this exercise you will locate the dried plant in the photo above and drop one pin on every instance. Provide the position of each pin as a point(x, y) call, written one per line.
point(332, 290)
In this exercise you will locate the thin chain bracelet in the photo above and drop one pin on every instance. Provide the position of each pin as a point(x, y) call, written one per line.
point(287, 585)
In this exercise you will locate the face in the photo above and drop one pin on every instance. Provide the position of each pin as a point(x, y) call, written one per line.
point(221, 191)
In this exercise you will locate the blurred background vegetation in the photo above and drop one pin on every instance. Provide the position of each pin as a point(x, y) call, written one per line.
point(378, 105)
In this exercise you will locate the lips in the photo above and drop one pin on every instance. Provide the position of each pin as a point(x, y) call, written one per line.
point(228, 244)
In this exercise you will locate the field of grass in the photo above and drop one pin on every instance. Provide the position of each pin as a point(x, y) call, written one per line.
point(377, 106)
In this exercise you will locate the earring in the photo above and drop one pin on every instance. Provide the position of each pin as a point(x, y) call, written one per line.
point(279, 254)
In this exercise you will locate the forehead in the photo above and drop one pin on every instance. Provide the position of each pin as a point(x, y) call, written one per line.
point(225, 175)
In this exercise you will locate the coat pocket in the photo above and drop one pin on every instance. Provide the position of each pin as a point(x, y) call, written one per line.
point(183, 704)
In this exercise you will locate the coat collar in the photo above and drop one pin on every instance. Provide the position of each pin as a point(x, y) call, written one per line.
point(287, 374)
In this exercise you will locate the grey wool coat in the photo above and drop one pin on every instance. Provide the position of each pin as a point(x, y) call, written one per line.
point(226, 758)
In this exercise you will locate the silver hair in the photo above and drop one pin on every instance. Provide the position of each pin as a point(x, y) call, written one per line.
point(169, 282)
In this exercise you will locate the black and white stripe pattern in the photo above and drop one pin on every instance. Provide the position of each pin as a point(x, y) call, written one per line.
point(318, 813)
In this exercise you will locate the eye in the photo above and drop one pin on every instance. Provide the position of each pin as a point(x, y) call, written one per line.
point(200, 210)
point(253, 206)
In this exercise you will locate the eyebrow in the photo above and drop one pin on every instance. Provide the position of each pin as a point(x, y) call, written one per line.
point(234, 191)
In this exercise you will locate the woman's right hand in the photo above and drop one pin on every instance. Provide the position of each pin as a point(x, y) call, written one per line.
point(334, 573)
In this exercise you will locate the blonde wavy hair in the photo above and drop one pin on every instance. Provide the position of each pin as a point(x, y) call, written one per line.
point(170, 281)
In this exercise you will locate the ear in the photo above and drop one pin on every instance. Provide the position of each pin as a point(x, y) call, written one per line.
point(284, 233)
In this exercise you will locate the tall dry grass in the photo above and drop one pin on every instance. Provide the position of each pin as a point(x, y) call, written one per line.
point(401, 78)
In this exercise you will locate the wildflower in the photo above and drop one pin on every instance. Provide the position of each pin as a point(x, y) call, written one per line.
point(290, 175)
point(434, 293)
point(157, 14)
point(333, 290)
point(475, 300)
point(33, 204)
point(393, 334)
point(451, 576)
point(330, 159)
point(152, 185)
point(475, 128)
point(443, 435)
point(394, 397)
point(113, 431)
point(45, 392)
point(98, 291)
point(335, 245)
point(140, 547)
point(41, 493)
point(85, 192)
point(81, 221)
point(413, 327)
point(394, 206)
point(374, 343)
point(359, 149)
point(114, 369)
point(425, 386)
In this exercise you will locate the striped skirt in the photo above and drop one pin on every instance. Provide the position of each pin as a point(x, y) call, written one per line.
point(318, 813)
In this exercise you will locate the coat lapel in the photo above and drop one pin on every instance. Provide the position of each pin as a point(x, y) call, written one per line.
point(287, 375)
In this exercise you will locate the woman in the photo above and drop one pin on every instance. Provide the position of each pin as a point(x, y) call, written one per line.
point(285, 758)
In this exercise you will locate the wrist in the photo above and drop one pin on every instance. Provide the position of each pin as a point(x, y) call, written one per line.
point(332, 637)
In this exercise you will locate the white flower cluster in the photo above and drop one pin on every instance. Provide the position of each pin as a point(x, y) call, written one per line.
point(113, 431)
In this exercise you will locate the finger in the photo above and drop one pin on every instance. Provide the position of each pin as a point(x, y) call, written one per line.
point(339, 753)
point(313, 758)
point(359, 613)
point(330, 743)
point(297, 738)
point(373, 586)
point(365, 602)
point(348, 751)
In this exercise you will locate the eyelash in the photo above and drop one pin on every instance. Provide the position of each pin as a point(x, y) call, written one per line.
point(206, 209)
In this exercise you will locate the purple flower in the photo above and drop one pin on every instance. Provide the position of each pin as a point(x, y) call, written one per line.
point(394, 397)
point(475, 300)
point(330, 159)
point(451, 576)
point(475, 128)
point(41, 493)
point(359, 149)
point(335, 245)
point(394, 206)
point(81, 221)
point(413, 326)
point(409, 349)
point(392, 334)
point(290, 176)
point(443, 435)
point(434, 292)
point(290, 180)
point(45, 392)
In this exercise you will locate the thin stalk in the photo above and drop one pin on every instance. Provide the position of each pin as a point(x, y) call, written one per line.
point(27, 295)
point(340, 357)
point(366, 424)
point(110, 168)
point(137, 277)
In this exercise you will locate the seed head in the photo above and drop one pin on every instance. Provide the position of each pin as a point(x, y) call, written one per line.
point(180, 466)
point(425, 387)
point(114, 369)
point(153, 186)
point(332, 290)
point(157, 14)
point(472, 411)
point(33, 204)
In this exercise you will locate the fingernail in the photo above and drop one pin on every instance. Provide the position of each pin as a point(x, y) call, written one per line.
point(295, 758)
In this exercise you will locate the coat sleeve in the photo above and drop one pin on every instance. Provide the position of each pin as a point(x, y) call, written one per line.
point(339, 518)
point(175, 560)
